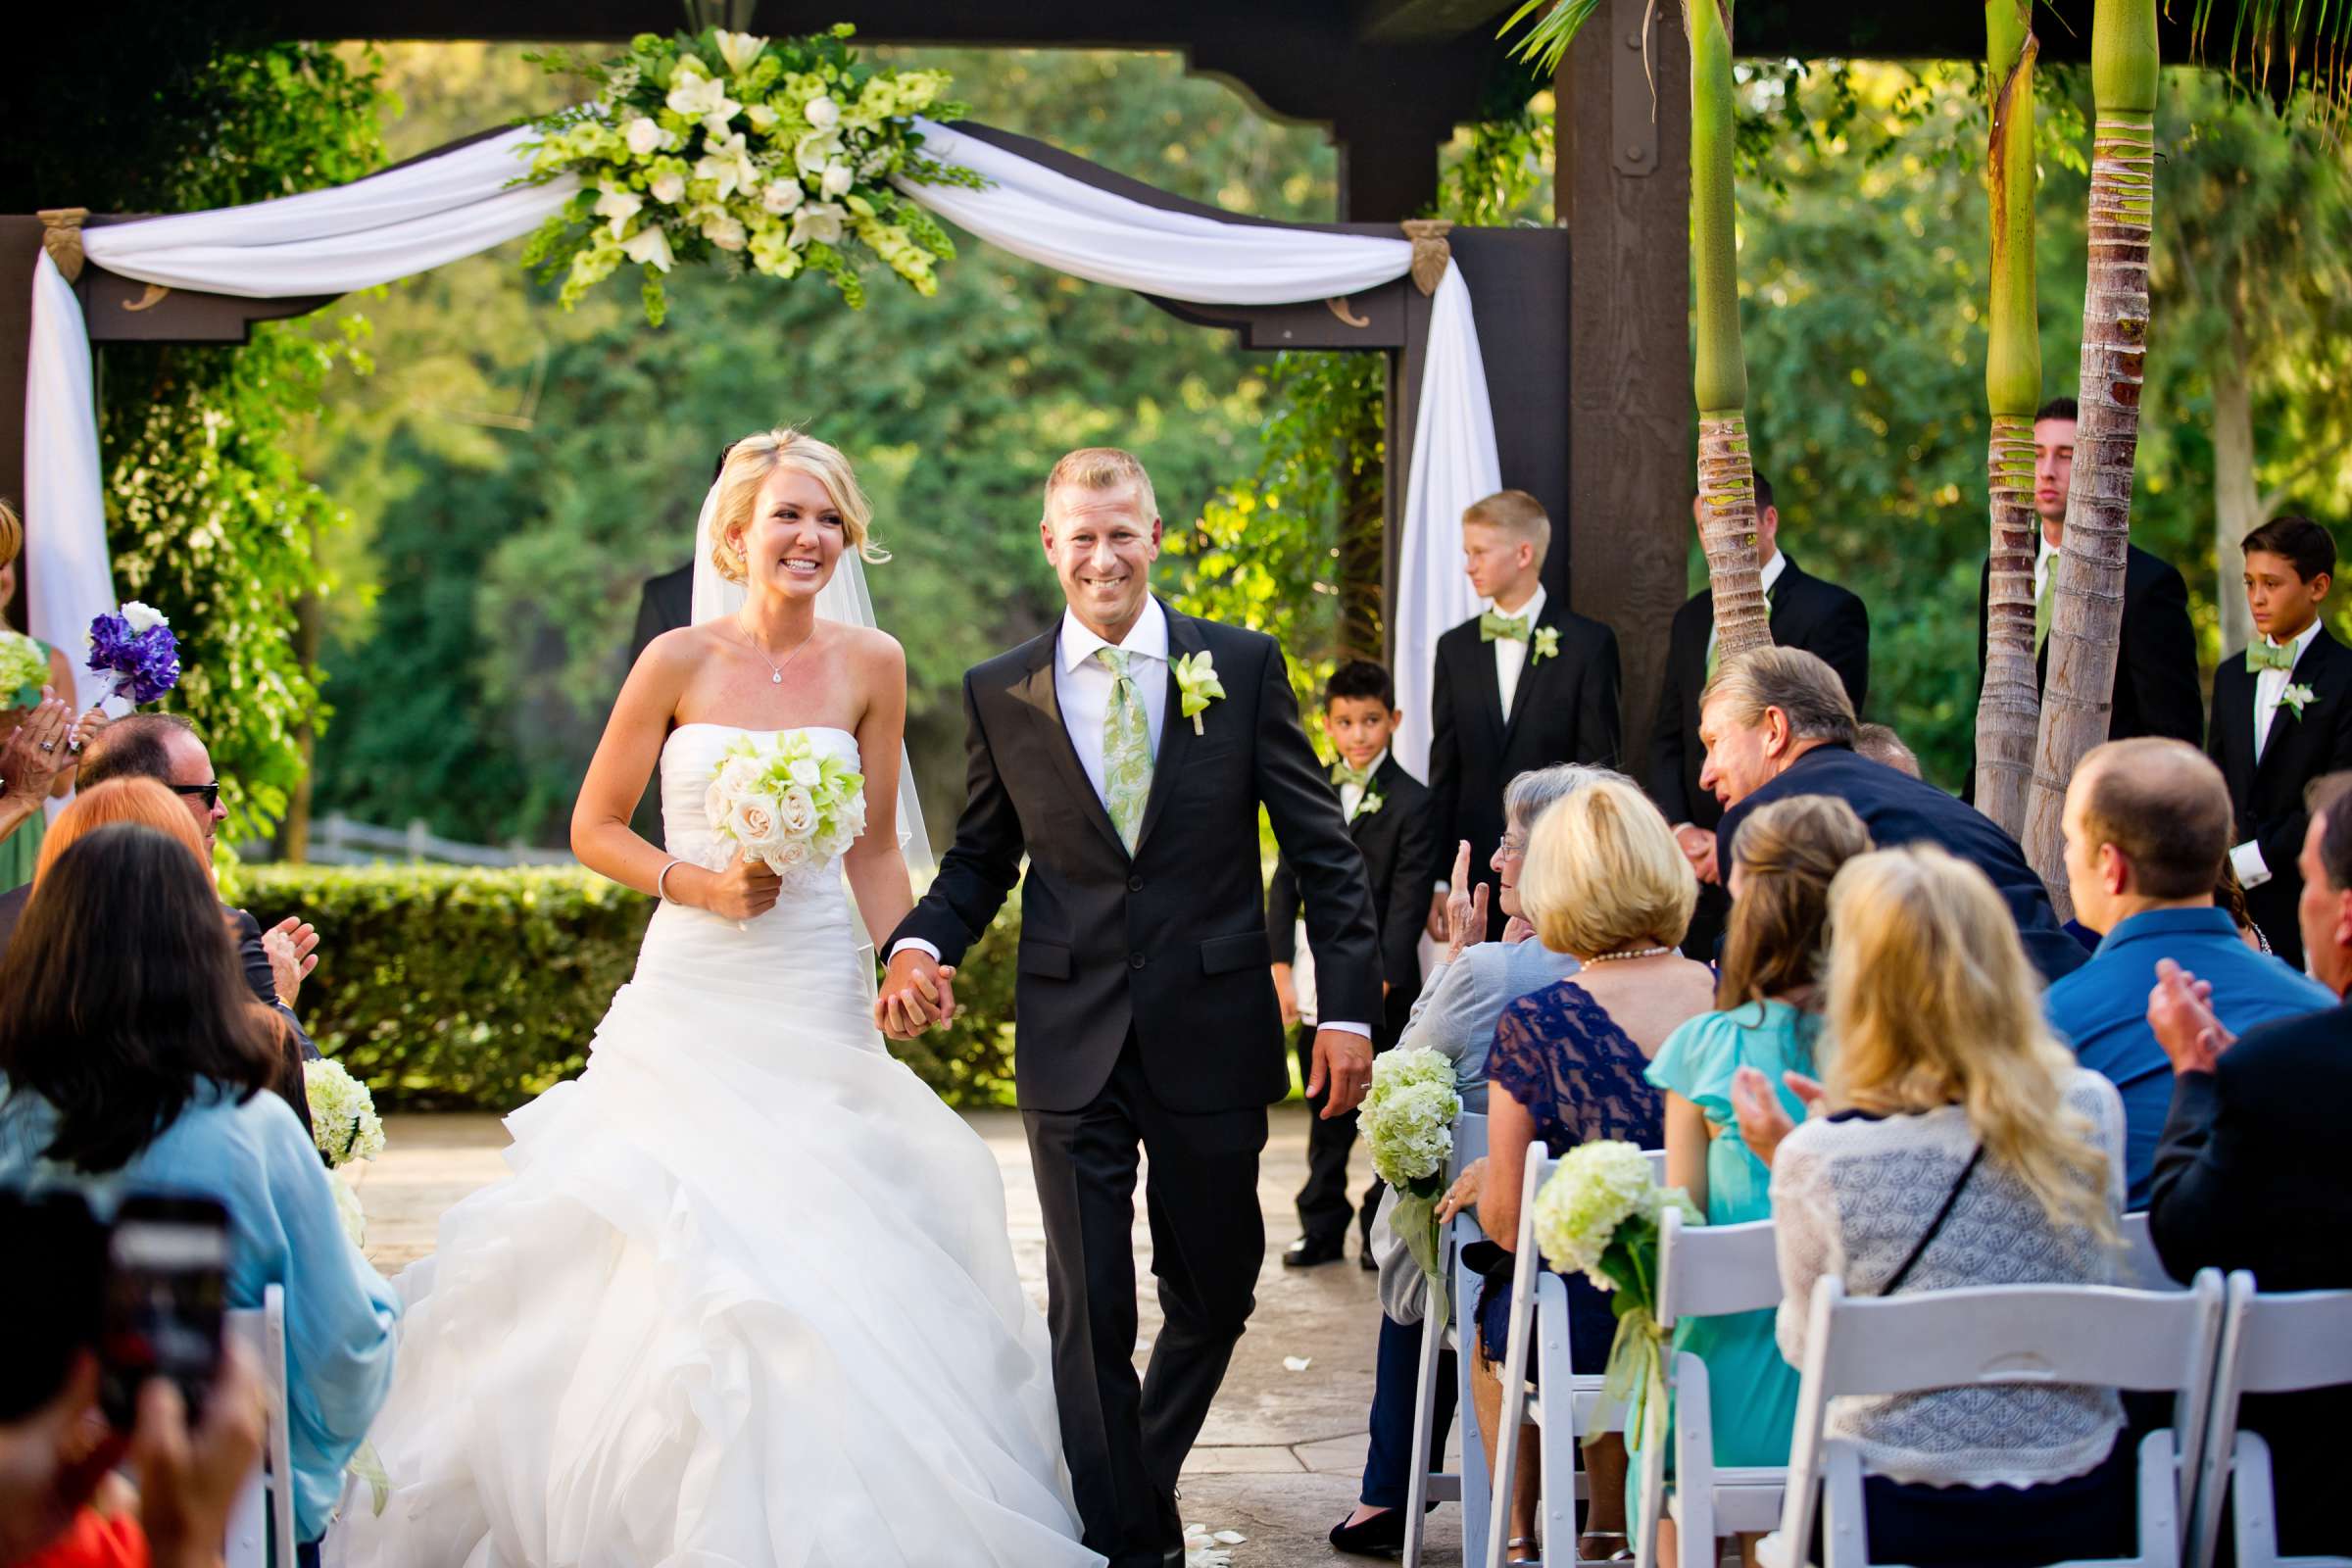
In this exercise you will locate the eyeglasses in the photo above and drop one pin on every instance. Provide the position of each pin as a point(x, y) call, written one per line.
point(209, 794)
point(1514, 845)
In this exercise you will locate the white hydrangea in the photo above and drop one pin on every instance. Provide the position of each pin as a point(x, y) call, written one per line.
point(1408, 1114)
point(348, 1210)
point(343, 1119)
point(1595, 1188)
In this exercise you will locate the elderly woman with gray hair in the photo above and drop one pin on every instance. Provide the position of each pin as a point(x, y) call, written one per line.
point(1461, 997)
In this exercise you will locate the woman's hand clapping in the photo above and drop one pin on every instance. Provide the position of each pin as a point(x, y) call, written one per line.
point(1465, 907)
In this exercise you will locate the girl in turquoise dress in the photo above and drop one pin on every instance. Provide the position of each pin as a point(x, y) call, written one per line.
point(20, 845)
point(1782, 865)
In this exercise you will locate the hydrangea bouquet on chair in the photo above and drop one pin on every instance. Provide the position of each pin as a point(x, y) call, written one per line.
point(1408, 1120)
point(1598, 1213)
point(346, 1130)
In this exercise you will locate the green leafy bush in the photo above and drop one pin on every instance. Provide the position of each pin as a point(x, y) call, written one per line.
point(474, 990)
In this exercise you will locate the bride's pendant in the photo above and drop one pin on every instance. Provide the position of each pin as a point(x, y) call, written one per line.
point(775, 677)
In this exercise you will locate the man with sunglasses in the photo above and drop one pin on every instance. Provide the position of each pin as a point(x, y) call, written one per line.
point(166, 748)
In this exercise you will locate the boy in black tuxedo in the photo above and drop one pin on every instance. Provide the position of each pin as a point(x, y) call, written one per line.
point(2281, 717)
point(1388, 816)
point(1525, 684)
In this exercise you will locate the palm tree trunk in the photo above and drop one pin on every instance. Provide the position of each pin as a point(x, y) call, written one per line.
point(1727, 484)
point(2008, 704)
point(2238, 508)
point(2086, 611)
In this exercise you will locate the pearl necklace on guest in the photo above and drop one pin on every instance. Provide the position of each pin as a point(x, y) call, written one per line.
point(1623, 954)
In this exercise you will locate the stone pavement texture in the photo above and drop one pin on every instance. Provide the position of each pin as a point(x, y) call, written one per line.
point(1282, 1451)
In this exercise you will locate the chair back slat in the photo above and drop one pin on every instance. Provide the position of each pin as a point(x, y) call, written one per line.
point(2027, 1334)
point(1469, 1141)
point(2295, 1341)
point(1709, 1270)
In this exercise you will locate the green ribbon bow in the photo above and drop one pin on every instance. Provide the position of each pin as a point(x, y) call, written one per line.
point(1492, 625)
point(1343, 775)
point(2266, 654)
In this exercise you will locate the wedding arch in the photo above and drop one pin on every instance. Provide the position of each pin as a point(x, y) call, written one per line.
point(1281, 285)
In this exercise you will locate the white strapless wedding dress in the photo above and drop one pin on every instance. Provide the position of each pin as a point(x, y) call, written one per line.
point(747, 1301)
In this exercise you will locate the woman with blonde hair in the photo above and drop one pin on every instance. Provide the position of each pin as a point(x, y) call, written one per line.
point(1605, 884)
point(1962, 1146)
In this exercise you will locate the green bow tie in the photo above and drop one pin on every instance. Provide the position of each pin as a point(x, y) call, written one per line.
point(1343, 775)
point(1492, 625)
point(2262, 656)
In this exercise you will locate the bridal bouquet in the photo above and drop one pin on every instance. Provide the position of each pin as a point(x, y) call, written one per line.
point(782, 154)
point(1598, 1214)
point(346, 1128)
point(782, 801)
point(1408, 1119)
point(24, 670)
point(134, 644)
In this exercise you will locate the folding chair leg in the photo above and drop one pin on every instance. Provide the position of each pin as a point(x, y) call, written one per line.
point(1425, 1421)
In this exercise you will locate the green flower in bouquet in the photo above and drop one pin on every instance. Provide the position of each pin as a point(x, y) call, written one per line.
point(1408, 1120)
point(1598, 1214)
point(23, 669)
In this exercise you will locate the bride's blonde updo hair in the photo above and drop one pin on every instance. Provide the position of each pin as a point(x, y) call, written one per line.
point(748, 466)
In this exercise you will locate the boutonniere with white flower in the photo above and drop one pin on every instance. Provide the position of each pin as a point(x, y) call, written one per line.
point(1196, 685)
point(1372, 802)
point(1547, 643)
point(2294, 697)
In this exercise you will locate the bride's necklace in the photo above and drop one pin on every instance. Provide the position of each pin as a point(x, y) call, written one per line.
point(775, 672)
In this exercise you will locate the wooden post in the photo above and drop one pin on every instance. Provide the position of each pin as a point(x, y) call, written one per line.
point(1623, 191)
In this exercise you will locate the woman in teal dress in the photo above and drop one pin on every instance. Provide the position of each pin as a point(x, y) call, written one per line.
point(22, 818)
point(1782, 865)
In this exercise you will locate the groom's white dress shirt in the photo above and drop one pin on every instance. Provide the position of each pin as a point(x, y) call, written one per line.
point(1082, 685)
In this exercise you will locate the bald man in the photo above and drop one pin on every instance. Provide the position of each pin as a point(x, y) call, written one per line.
point(2147, 826)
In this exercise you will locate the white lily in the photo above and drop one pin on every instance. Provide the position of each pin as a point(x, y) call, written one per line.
point(821, 111)
point(818, 222)
point(781, 196)
point(667, 187)
point(728, 166)
point(619, 206)
point(739, 50)
point(648, 245)
point(763, 117)
point(724, 232)
point(701, 97)
point(839, 177)
point(815, 151)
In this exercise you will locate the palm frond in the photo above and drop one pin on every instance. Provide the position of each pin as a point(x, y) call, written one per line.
point(2284, 49)
point(1547, 41)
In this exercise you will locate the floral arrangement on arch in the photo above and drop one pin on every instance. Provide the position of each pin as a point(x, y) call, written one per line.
point(778, 154)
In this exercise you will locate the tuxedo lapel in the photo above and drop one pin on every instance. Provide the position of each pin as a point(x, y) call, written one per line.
point(2279, 738)
point(1487, 687)
point(1176, 737)
point(1530, 673)
point(1035, 693)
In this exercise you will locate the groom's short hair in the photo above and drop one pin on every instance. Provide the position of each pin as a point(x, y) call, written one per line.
point(1102, 469)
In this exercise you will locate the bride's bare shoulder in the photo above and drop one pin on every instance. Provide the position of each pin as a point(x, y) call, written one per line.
point(872, 651)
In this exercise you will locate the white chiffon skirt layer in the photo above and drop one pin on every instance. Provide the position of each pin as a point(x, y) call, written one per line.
point(747, 1301)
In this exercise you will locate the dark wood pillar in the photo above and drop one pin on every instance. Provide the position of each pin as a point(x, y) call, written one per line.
point(1623, 191)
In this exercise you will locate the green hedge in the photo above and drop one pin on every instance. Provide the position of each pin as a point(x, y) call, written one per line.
point(448, 989)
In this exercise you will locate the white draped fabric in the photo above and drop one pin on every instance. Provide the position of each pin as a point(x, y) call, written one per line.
point(438, 209)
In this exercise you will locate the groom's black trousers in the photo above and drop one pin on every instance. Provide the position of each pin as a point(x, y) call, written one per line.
point(1126, 1444)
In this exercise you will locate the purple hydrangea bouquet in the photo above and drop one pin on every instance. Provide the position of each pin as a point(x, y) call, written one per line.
point(136, 646)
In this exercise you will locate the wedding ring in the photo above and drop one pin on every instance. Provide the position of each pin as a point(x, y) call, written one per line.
point(48, 746)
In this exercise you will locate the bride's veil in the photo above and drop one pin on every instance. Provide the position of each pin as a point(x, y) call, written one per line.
point(844, 599)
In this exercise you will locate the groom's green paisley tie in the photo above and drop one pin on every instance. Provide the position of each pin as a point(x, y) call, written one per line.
point(1126, 750)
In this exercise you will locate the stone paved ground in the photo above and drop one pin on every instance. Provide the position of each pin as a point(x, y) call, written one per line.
point(1282, 1451)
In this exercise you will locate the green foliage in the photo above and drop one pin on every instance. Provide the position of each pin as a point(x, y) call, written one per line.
point(476, 990)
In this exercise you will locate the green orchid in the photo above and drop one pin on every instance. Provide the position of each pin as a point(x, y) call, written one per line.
point(1547, 643)
point(1196, 685)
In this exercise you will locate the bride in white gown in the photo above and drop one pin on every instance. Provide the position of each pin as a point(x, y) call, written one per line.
point(748, 1297)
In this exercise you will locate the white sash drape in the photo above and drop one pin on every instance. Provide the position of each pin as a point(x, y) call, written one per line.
point(439, 209)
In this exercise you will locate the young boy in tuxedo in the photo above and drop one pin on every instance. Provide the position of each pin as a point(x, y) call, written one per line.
point(2281, 717)
point(1523, 685)
point(1388, 816)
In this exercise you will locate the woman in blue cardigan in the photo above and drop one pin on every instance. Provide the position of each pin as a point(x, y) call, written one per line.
point(132, 1059)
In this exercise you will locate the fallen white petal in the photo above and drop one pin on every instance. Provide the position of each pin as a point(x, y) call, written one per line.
point(1230, 1538)
point(1297, 1363)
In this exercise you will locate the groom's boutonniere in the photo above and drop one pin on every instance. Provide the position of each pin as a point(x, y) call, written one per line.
point(1547, 643)
point(1196, 685)
point(2294, 697)
point(1372, 802)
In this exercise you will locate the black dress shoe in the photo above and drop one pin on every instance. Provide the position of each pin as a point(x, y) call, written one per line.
point(1381, 1535)
point(1307, 1251)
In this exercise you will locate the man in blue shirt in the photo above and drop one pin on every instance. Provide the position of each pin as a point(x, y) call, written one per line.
point(2147, 826)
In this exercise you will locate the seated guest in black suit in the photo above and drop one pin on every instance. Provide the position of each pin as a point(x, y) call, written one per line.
point(2156, 690)
point(2247, 1176)
point(1524, 685)
point(2281, 717)
point(1777, 723)
point(1806, 613)
point(1388, 816)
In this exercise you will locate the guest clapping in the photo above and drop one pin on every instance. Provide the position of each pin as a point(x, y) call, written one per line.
point(43, 765)
point(1964, 1147)
point(1605, 884)
point(130, 1057)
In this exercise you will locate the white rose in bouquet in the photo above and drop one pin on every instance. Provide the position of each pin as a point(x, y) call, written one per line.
point(806, 773)
point(821, 111)
point(781, 196)
point(644, 136)
point(796, 810)
point(143, 619)
point(838, 179)
point(667, 187)
point(756, 825)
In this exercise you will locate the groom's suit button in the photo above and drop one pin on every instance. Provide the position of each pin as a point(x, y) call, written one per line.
point(1134, 961)
point(1135, 884)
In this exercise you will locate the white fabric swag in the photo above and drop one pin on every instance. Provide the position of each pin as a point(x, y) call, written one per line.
point(405, 220)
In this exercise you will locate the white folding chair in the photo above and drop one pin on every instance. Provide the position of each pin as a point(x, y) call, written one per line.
point(1428, 1482)
point(1562, 1409)
point(2269, 1345)
point(2141, 1268)
point(1992, 1335)
point(1706, 1271)
point(261, 1524)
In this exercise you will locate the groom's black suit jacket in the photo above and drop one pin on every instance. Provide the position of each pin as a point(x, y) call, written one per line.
point(1168, 943)
point(2267, 795)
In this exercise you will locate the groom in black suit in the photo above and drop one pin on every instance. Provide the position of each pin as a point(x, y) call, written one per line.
point(1126, 753)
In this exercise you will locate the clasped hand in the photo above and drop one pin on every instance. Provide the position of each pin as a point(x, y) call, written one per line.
point(917, 992)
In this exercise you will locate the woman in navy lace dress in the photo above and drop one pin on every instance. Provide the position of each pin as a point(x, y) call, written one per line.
point(1605, 883)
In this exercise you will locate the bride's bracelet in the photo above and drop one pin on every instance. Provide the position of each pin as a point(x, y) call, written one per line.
point(659, 892)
